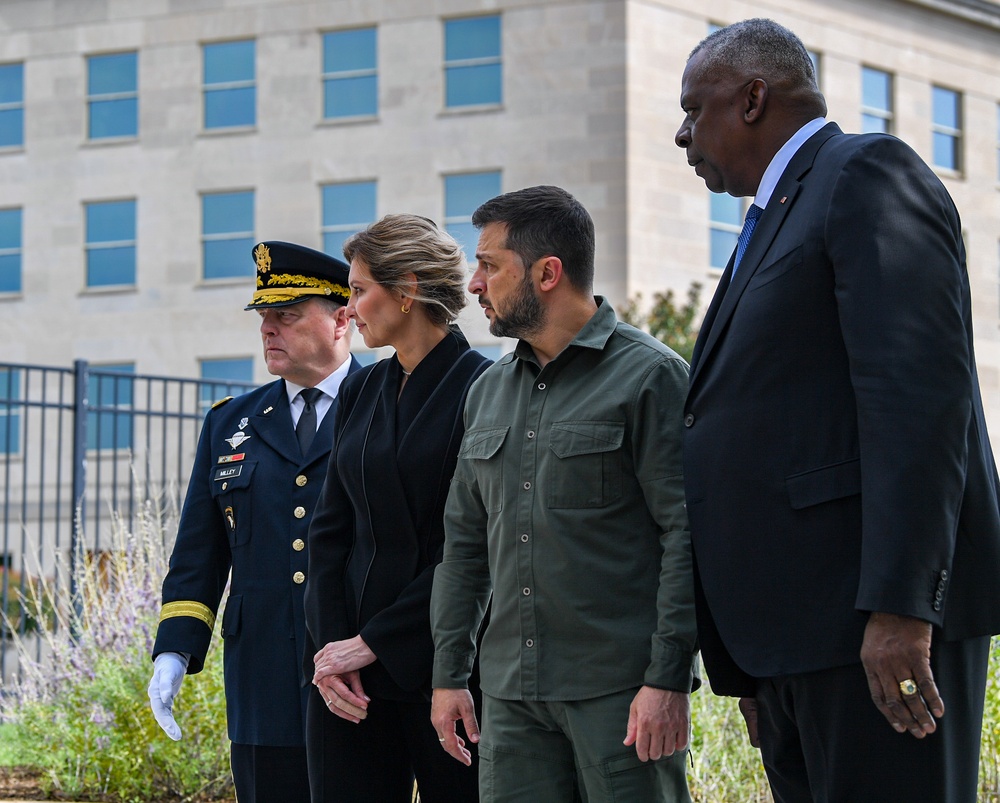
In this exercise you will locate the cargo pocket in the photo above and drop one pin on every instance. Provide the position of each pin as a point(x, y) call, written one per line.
point(483, 449)
point(589, 470)
point(232, 489)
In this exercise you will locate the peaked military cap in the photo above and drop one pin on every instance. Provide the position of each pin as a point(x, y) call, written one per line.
point(289, 273)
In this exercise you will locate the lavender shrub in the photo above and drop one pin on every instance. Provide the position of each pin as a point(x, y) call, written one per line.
point(82, 713)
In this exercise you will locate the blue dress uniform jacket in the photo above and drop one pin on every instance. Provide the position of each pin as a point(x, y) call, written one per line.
point(248, 506)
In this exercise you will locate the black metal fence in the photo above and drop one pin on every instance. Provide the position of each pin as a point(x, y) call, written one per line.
point(79, 447)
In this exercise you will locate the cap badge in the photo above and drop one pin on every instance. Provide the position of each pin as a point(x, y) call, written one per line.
point(262, 254)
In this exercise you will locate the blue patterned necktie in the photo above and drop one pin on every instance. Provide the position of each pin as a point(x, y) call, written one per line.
point(749, 224)
point(305, 430)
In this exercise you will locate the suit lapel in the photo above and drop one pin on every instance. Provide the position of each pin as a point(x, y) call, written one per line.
point(273, 423)
point(731, 288)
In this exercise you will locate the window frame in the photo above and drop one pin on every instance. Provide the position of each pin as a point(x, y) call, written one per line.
point(14, 106)
point(887, 115)
point(327, 78)
point(92, 246)
point(724, 226)
point(450, 222)
point(957, 135)
point(232, 234)
point(214, 87)
point(121, 417)
point(11, 406)
point(106, 97)
point(17, 251)
point(348, 228)
point(478, 61)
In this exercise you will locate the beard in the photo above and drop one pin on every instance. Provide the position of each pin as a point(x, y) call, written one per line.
point(524, 315)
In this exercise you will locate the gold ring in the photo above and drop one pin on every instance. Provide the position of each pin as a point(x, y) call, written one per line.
point(908, 687)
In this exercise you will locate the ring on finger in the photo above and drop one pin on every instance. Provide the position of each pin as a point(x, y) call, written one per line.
point(907, 687)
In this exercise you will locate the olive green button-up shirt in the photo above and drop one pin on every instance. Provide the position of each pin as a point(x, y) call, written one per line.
point(568, 505)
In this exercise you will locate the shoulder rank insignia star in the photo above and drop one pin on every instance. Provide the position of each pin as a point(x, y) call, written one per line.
point(237, 439)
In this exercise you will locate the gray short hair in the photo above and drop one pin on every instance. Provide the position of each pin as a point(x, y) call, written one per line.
point(398, 245)
point(758, 48)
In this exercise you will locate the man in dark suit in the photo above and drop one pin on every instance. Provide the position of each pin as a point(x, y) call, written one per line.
point(257, 476)
point(840, 483)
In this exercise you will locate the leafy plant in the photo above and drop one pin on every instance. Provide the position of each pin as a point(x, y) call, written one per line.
point(82, 713)
point(665, 320)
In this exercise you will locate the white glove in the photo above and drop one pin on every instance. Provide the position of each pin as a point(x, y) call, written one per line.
point(169, 669)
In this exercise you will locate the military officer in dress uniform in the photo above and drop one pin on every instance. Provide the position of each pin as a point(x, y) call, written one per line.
point(257, 475)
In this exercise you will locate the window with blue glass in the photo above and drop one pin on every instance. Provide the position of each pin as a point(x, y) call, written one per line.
point(11, 105)
point(946, 128)
point(876, 101)
point(463, 194)
point(473, 74)
point(220, 376)
point(110, 243)
point(350, 73)
point(814, 57)
point(10, 250)
point(347, 208)
point(725, 220)
point(110, 390)
point(10, 410)
point(230, 84)
point(227, 226)
point(113, 96)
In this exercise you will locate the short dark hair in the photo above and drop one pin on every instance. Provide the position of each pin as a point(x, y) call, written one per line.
point(760, 48)
point(545, 221)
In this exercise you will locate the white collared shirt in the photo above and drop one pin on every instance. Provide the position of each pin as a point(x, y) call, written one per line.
point(781, 159)
point(330, 386)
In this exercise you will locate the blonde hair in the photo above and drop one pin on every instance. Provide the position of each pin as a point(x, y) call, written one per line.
point(398, 245)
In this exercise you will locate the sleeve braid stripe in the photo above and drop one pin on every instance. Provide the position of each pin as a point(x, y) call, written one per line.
point(188, 608)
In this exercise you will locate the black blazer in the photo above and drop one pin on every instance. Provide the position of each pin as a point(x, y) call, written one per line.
point(241, 515)
point(836, 455)
point(379, 530)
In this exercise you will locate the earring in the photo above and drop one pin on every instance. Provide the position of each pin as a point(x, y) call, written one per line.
point(404, 309)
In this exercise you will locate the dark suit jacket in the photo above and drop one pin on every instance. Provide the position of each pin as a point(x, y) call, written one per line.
point(243, 514)
point(378, 532)
point(836, 455)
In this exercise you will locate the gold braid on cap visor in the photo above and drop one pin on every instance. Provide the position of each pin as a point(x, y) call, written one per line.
point(292, 286)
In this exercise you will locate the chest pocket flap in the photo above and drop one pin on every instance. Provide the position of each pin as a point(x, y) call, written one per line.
point(231, 477)
point(590, 463)
point(481, 448)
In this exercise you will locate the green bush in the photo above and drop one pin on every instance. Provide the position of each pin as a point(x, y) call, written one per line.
point(726, 769)
point(82, 713)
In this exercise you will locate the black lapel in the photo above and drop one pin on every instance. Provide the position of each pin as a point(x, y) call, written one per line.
point(273, 423)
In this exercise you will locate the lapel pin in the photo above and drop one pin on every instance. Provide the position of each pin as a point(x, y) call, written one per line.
point(783, 199)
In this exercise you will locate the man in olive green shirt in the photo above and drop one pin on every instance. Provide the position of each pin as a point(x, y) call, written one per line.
point(568, 505)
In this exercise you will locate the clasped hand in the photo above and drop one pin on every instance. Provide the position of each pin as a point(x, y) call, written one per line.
point(338, 678)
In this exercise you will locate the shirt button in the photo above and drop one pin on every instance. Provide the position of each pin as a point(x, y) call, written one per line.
point(298, 544)
point(531, 434)
point(529, 643)
point(526, 591)
point(527, 486)
point(541, 386)
point(524, 538)
point(299, 578)
point(689, 420)
point(301, 480)
point(300, 512)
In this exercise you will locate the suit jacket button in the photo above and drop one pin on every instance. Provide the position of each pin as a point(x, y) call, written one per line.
point(939, 596)
point(298, 544)
point(689, 420)
point(299, 578)
point(301, 480)
point(937, 605)
point(299, 512)
point(944, 574)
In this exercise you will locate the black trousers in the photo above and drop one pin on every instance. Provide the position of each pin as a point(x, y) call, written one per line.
point(377, 760)
point(269, 774)
point(824, 741)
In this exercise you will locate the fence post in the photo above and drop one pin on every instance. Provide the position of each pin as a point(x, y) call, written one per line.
point(80, 382)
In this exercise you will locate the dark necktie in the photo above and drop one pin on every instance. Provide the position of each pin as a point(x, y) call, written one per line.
point(306, 428)
point(749, 224)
